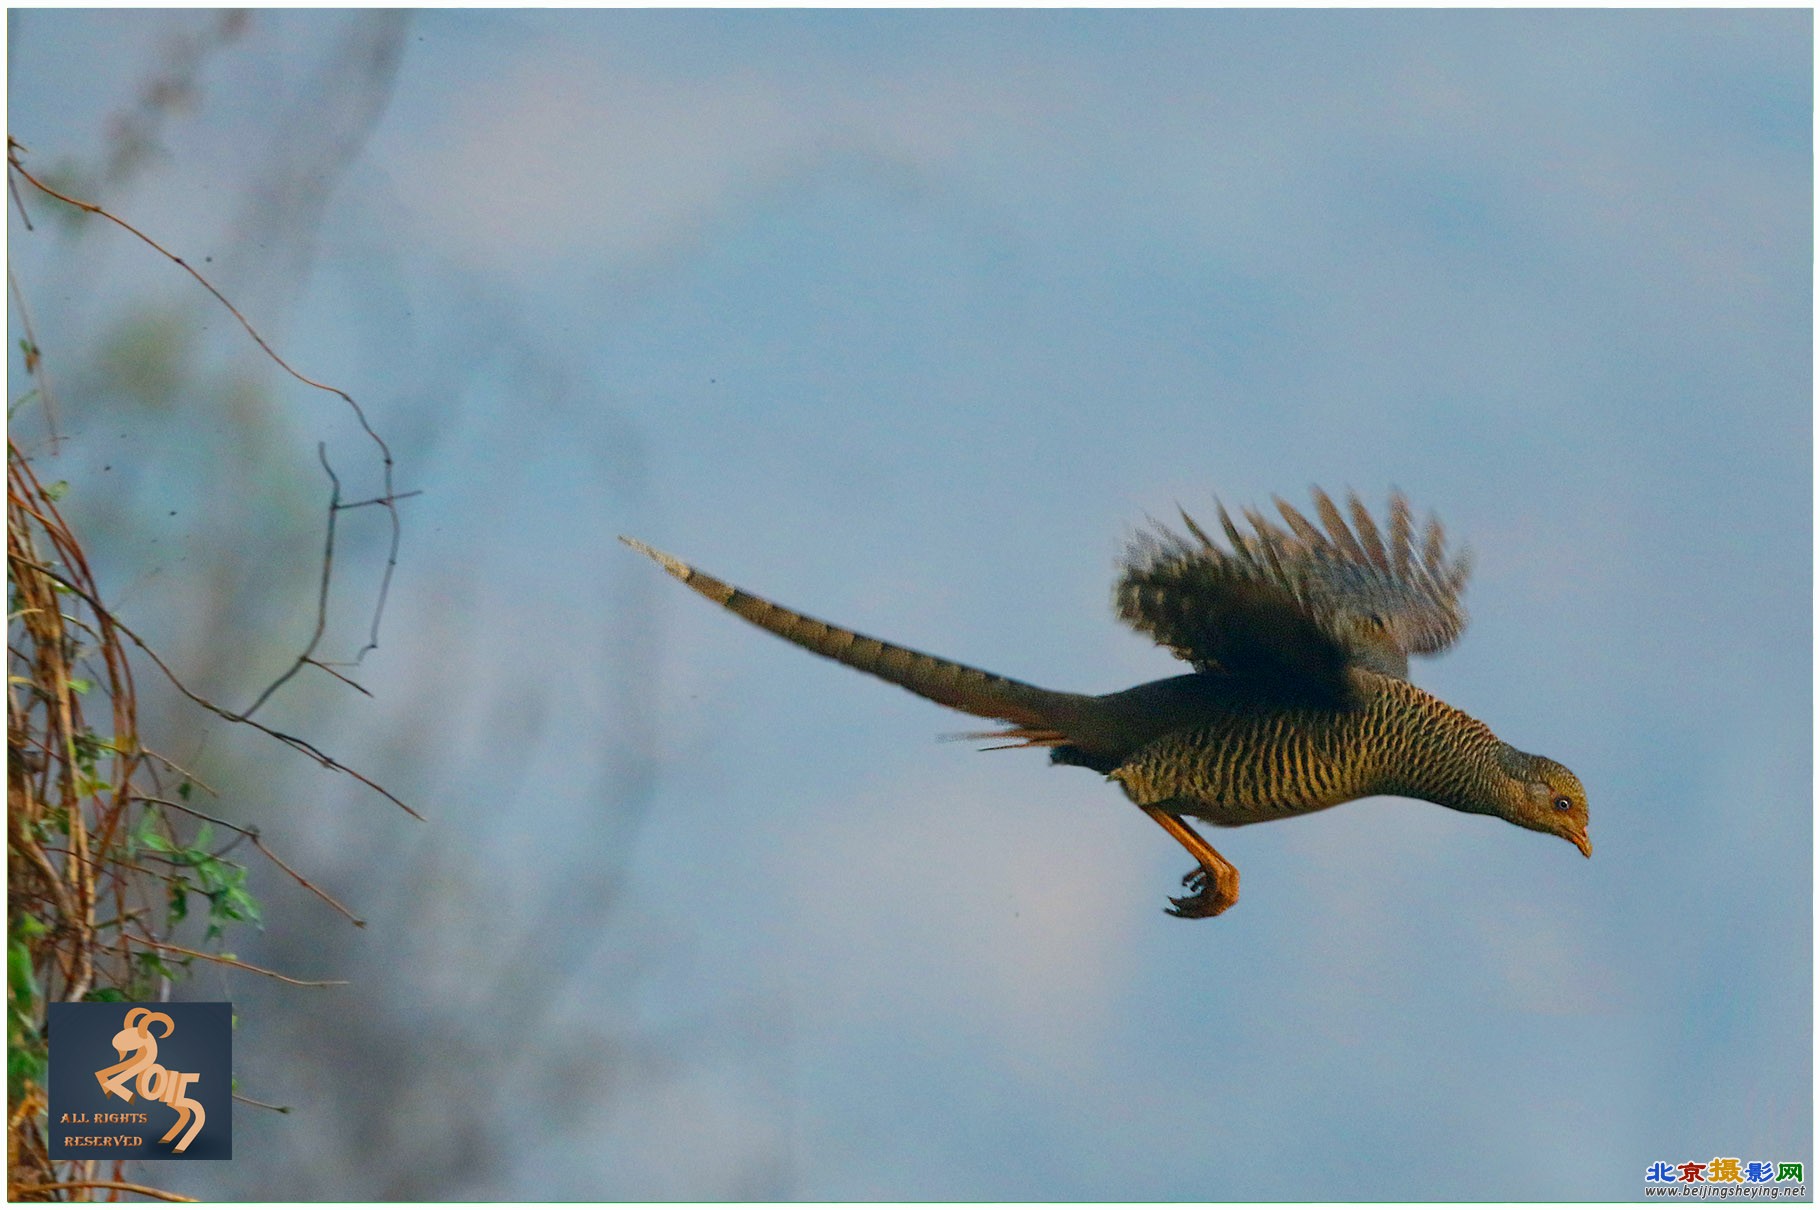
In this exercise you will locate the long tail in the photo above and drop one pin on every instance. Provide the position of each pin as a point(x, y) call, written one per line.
point(1038, 717)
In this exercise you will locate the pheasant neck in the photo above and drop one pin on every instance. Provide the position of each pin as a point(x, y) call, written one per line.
point(1451, 758)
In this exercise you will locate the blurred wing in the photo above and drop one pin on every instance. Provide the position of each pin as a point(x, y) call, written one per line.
point(1295, 607)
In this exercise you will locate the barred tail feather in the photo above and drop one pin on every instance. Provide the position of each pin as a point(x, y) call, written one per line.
point(1033, 712)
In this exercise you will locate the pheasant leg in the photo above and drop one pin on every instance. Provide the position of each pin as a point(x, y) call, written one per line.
point(1215, 882)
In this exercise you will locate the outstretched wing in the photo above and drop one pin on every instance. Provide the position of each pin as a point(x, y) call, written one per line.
point(1292, 608)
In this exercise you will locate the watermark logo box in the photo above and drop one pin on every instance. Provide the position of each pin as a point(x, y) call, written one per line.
point(141, 1081)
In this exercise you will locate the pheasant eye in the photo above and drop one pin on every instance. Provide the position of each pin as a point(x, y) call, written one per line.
point(1563, 804)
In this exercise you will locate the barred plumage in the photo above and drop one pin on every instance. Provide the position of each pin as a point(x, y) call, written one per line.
point(1300, 638)
point(1248, 767)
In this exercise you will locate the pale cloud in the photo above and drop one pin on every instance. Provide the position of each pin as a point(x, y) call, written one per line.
point(552, 158)
point(705, 1130)
point(565, 158)
point(970, 899)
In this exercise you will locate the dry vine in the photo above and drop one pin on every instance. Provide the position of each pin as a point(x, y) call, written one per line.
point(106, 846)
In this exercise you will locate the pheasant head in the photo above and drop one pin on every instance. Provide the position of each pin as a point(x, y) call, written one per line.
point(1544, 796)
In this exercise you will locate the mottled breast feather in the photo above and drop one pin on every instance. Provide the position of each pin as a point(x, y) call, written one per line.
point(1256, 765)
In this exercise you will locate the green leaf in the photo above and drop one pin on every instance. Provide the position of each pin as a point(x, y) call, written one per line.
point(80, 684)
point(142, 835)
point(149, 970)
point(21, 983)
point(56, 491)
point(151, 962)
point(27, 1061)
point(105, 995)
point(233, 903)
point(89, 746)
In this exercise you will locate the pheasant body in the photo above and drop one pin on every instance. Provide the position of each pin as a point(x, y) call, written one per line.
point(1256, 765)
point(1299, 700)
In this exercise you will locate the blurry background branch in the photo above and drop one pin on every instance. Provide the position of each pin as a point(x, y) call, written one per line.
point(499, 956)
point(104, 861)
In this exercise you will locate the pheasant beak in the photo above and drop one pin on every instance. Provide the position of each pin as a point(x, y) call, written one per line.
point(1581, 843)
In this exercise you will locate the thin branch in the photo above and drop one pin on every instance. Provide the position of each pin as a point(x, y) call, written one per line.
point(14, 148)
point(322, 588)
point(246, 1100)
point(224, 960)
point(304, 746)
point(34, 360)
point(182, 772)
point(125, 1186)
point(382, 500)
point(252, 834)
point(351, 684)
point(102, 212)
point(12, 187)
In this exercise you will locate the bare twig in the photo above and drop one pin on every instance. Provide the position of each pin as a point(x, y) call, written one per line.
point(12, 187)
point(302, 745)
point(322, 587)
point(252, 834)
point(387, 498)
point(350, 683)
point(381, 500)
point(162, 1195)
point(34, 359)
point(224, 960)
point(180, 771)
point(67, 775)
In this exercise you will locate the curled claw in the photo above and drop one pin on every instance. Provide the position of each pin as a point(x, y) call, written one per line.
point(1214, 881)
point(1212, 894)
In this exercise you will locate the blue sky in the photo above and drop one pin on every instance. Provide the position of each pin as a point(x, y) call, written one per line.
point(906, 320)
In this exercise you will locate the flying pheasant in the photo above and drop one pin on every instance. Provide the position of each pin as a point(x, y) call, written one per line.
point(1299, 700)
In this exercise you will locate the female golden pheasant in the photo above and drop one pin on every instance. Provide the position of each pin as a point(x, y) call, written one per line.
point(1300, 639)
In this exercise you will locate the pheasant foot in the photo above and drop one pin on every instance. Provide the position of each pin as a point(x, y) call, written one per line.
point(1210, 897)
point(1214, 881)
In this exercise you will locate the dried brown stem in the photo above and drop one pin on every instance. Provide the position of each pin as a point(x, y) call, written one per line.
point(162, 1195)
point(75, 792)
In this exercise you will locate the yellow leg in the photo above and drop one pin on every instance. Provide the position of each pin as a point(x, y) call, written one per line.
point(1215, 882)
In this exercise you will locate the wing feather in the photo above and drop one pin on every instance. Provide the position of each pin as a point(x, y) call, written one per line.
point(1368, 535)
point(1399, 536)
point(1311, 536)
point(1337, 532)
point(1292, 608)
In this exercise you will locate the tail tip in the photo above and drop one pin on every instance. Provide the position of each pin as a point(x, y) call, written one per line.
point(669, 563)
